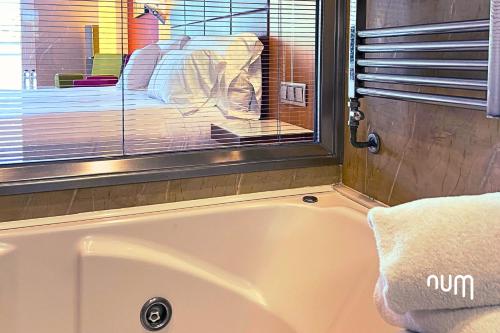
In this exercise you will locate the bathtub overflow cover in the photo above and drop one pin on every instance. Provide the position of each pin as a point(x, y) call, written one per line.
point(156, 314)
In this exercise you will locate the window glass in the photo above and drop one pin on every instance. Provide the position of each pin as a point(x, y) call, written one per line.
point(110, 78)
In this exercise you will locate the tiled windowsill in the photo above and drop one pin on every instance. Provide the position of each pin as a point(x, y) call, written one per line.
point(57, 203)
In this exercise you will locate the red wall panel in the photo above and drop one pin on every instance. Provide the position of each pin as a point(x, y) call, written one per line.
point(142, 31)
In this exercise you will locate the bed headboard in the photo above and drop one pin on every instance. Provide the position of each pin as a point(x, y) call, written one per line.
point(226, 17)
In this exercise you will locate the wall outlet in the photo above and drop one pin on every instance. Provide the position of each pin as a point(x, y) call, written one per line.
point(293, 93)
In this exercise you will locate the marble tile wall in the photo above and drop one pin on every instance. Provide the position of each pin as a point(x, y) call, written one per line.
point(18, 207)
point(427, 151)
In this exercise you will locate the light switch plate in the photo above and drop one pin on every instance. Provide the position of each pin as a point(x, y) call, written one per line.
point(299, 95)
point(290, 93)
point(283, 92)
point(293, 93)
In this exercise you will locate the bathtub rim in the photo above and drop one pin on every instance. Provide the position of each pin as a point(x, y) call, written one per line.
point(344, 192)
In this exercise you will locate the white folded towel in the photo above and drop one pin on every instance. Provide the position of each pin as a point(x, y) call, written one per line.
point(467, 320)
point(453, 236)
point(452, 244)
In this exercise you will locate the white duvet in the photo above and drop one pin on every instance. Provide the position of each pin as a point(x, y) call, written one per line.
point(80, 122)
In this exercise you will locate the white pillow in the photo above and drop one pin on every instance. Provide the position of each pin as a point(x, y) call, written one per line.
point(140, 67)
point(142, 62)
point(187, 79)
point(242, 54)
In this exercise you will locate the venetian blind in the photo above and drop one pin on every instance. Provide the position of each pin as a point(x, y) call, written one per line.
point(111, 78)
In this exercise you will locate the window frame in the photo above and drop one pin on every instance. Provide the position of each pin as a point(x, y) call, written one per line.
point(328, 150)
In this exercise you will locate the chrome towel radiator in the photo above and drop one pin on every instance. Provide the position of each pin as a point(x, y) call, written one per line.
point(364, 68)
point(494, 61)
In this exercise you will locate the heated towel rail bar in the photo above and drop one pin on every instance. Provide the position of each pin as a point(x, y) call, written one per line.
point(365, 68)
point(426, 29)
point(494, 61)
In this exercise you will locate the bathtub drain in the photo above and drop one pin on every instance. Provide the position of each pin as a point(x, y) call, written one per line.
point(310, 199)
point(156, 314)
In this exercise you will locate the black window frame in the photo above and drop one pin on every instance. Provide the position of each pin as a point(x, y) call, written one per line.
point(331, 94)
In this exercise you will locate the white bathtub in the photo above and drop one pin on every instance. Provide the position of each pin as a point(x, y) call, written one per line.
point(265, 263)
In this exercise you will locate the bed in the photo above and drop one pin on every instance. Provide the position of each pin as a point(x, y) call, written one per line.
point(81, 122)
point(169, 108)
point(86, 122)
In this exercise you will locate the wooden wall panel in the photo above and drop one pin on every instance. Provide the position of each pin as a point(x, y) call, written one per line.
point(293, 57)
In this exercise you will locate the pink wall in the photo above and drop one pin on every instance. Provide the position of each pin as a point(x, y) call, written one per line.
point(55, 43)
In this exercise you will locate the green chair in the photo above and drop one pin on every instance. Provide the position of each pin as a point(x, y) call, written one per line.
point(104, 65)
